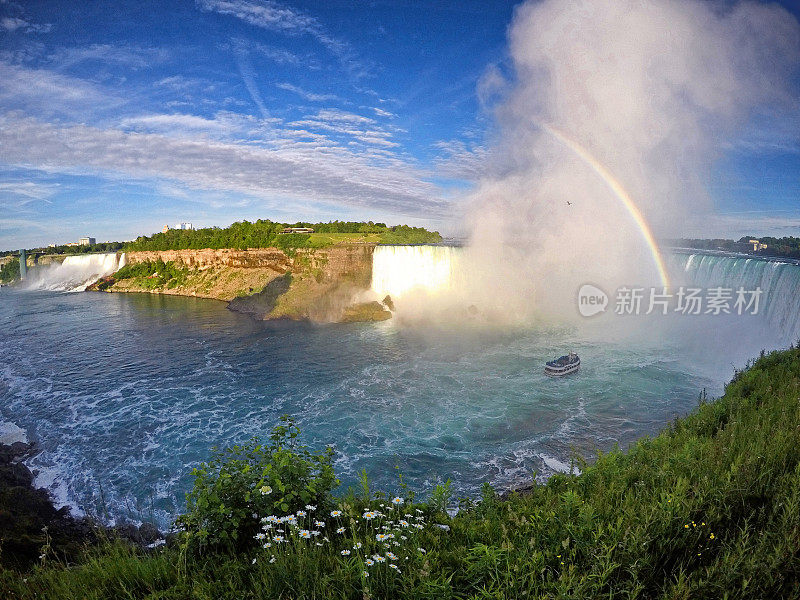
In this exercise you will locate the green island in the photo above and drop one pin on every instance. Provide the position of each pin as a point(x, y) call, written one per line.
point(264, 233)
point(709, 508)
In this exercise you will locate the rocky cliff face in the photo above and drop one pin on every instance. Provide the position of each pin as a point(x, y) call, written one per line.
point(255, 258)
point(325, 282)
point(309, 284)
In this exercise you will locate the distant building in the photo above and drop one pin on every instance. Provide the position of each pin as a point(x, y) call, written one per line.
point(86, 241)
point(757, 245)
point(297, 230)
point(71, 244)
point(183, 226)
point(165, 229)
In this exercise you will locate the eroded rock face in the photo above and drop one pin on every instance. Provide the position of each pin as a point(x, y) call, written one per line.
point(325, 282)
point(309, 284)
point(261, 304)
point(254, 258)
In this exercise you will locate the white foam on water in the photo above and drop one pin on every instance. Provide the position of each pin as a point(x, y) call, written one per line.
point(10, 433)
point(556, 465)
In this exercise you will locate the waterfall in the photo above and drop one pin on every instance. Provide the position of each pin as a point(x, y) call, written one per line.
point(75, 273)
point(779, 281)
point(398, 270)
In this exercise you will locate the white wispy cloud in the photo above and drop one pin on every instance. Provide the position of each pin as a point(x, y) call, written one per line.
point(461, 160)
point(12, 24)
point(310, 96)
point(249, 77)
point(287, 168)
point(133, 57)
point(383, 113)
point(177, 123)
point(278, 17)
point(48, 92)
point(283, 56)
point(360, 128)
point(15, 196)
point(27, 189)
point(269, 15)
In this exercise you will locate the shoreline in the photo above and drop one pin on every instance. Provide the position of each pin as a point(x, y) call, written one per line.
point(31, 519)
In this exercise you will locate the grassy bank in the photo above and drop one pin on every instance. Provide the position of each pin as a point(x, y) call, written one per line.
point(710, 508)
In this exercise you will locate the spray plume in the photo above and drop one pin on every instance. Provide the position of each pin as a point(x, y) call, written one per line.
point(606, 137)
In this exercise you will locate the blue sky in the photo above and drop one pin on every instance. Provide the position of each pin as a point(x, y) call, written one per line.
point(116, 118)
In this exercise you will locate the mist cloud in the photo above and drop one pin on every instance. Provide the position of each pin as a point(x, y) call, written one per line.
point(654, 90)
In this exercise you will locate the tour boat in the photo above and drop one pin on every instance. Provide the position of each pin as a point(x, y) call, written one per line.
point(563, 366)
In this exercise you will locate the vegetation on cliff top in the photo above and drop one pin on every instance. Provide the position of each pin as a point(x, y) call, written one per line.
point(267, 234)
point(710, 508)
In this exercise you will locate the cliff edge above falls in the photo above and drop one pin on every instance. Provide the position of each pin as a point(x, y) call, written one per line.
point(321, 285)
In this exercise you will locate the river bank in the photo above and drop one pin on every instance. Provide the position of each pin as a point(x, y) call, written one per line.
point(33, 529)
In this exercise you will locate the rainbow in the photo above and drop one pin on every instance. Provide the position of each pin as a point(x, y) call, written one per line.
point(621, 194)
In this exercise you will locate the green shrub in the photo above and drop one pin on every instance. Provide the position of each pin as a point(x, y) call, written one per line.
point(154, 274)
point(242, 483)
point(288, 242)
point(10, 271)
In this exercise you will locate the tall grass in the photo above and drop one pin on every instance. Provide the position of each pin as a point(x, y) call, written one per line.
point(710, 508)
